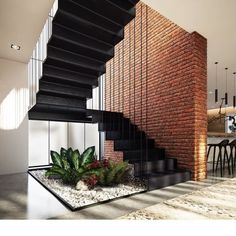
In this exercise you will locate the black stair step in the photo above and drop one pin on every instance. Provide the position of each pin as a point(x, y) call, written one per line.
point(87, 28)
point(171, 164)
point(62, 90)
point(123, 4)
point(74, 62)
point(59, 109)
point(126, 144)
point(134, 1)
point(60, 117)
point(58, 113)
point(105, 116)
point(149, 154)
point(148, 167)
point(73, 41)
point(158, 165)
point(56, 74)
point(119, 11)
point(125, 134)
point(77, 9)
point(115, 126)
point(60, 101)
point(161, 180)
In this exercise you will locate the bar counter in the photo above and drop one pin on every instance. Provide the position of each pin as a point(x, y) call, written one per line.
point(218, 134)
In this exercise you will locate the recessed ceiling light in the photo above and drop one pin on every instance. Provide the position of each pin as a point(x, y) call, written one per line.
point(210, 92)
point(15, 47)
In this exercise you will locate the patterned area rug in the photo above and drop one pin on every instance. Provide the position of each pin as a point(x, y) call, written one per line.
point(215, 202)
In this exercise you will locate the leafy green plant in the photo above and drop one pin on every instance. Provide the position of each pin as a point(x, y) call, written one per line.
point(69, 165)
point(108, 173)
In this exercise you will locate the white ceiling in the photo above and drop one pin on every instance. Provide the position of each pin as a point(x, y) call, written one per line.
point(216, 21)
point(21, 22)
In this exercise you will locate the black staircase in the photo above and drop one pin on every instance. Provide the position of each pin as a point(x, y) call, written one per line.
point(149, 162)
point(84, 33)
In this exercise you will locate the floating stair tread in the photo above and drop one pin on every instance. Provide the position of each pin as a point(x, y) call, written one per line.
point(75, 36)
point(88, 28)
point(80, 48)
point(75, 67)
point(123, 145)
point(126, 5)
point(165, 179)
point(58, 113)
point(165, 173)
point(121, 13)
point(64, 90)
point(58, 109)
point(58, 100)
point(54, 74)
point(78, 10)
point(59, 117)
point(75, 59)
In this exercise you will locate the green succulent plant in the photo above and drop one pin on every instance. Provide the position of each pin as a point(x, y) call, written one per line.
point(69, 165)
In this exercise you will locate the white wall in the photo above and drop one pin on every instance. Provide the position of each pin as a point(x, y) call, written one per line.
point(38, 143)
point(13, 117)
point(45, 136)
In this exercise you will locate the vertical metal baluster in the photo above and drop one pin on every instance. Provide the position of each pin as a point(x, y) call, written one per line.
point(141, 78)
point(146, 82)
point(134, 67)
point(104, 89)
point(113, 80)
point(49, 144)
point(123, 74)
point(110, 85)
point(134, 75)
point(130, 85)
point(118, 108)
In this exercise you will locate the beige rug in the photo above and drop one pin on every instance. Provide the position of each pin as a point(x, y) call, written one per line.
point(215, 202)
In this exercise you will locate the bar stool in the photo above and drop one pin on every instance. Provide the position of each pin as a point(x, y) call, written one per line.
point(214, 145)
point(232, 155)
point(223, 148)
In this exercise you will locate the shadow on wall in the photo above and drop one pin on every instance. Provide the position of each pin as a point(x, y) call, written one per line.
point(13, 109)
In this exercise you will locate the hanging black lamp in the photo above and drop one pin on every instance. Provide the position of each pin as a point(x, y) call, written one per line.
point(226, 86)
point(216, 90)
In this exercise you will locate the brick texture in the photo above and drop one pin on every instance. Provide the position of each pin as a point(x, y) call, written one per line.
point(158, 79)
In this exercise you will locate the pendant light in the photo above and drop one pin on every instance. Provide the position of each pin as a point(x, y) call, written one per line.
point(216, 90)
point(226, 86)
point(234, 97)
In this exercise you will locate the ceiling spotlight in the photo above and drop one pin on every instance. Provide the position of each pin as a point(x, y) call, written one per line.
point(210, 92)
point(15, 47)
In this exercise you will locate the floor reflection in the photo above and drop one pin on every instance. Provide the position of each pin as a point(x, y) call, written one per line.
point(21, 197)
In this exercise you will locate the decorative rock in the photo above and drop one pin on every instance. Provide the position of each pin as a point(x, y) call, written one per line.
point(81, 186)
point(98, 189)
point(81, 195)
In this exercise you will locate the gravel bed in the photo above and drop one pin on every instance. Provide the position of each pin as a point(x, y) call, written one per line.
point(80, 198)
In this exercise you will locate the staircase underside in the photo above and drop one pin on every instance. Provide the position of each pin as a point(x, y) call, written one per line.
point(84, 34)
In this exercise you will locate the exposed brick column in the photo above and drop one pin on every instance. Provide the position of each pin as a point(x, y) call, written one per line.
point(200, 99)
point(175, 78)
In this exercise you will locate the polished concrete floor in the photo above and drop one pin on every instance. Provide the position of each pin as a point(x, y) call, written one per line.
point(22, 197)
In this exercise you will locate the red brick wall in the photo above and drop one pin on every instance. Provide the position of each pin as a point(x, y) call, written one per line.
point(166, 96)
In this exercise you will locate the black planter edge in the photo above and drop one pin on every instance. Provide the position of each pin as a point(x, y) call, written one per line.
point(69, 206)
